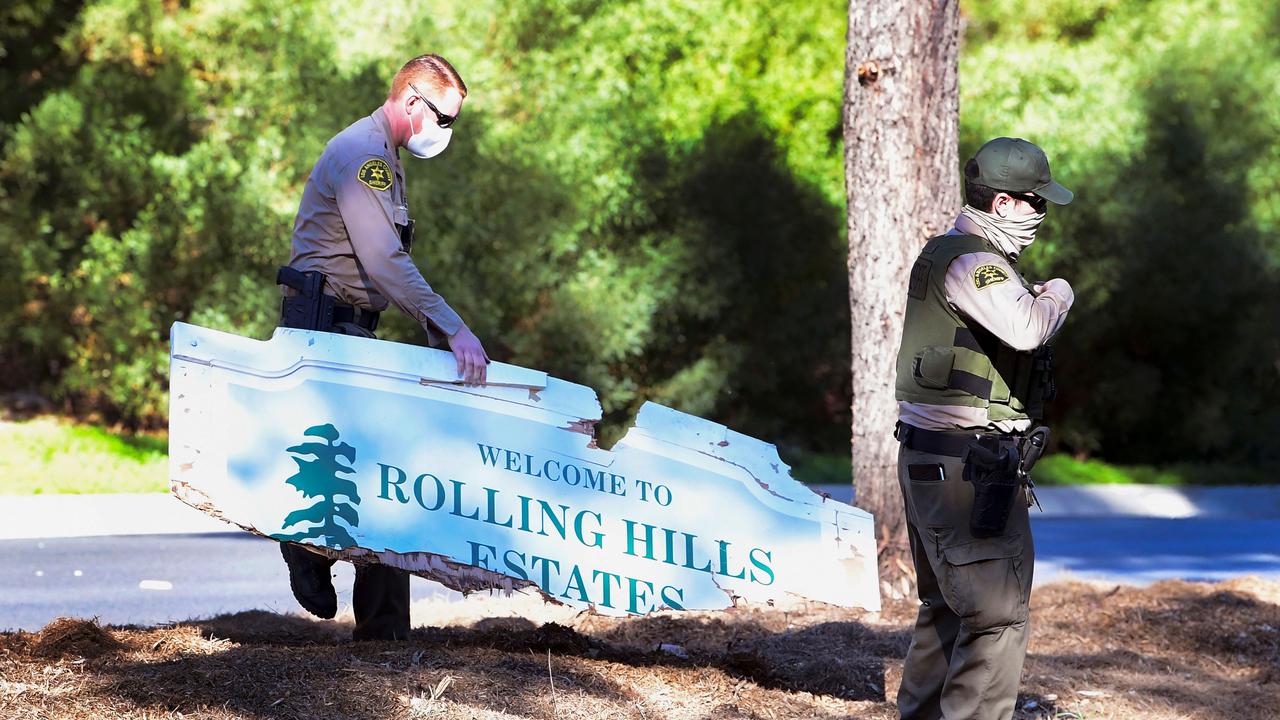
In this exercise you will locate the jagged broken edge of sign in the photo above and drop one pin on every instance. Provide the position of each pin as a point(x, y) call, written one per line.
point(759, 459)
point(454, 575)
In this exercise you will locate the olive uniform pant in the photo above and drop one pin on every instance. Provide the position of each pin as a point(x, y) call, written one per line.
point(965, 659)
point(380, 594)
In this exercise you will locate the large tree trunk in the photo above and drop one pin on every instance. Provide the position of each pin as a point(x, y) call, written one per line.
point(901, 116)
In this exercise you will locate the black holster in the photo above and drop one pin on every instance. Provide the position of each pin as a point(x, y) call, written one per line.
point(311, 308)
point(991, 464)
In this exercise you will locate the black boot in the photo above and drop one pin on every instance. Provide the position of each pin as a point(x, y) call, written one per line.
point(310, 580)
point(380, 600)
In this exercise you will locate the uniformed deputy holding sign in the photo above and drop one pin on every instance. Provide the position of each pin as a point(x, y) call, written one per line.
point(974, 364)
point(350, 259)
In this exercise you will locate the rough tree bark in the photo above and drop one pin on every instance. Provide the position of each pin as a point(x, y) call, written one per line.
point(901, 117)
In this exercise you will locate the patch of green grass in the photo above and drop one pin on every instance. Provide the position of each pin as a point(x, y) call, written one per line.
point(1060, 469)
point(47, 455)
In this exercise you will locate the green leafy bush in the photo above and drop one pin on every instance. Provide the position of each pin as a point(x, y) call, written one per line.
point(1162, 116)
point(641, 197)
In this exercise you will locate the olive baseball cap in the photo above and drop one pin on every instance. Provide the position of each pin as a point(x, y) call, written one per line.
point(1015, 165)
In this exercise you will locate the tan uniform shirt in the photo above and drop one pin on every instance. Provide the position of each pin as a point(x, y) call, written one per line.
point(347, 229)
point(1020, 319)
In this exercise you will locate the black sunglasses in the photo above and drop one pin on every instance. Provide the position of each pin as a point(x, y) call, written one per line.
point(442, 120)
point(1036, 202)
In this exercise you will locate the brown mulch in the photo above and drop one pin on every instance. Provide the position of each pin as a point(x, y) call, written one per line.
point(1171, 650)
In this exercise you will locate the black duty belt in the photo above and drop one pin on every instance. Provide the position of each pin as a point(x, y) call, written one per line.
point(313, 309)
point(951, 443)
point(367, 319)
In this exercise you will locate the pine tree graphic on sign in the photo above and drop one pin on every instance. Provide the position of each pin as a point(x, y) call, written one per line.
point(320, 478)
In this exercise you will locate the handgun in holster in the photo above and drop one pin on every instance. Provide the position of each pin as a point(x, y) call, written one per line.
point(1033, 446)
point(992, 465)
point(311, 308)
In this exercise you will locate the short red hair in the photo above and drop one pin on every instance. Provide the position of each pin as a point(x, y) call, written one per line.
point(431, 70)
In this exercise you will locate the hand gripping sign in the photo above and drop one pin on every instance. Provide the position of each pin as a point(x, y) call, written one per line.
point(373, 451)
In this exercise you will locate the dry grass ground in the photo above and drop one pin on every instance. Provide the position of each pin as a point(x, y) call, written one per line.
point(1173, 650)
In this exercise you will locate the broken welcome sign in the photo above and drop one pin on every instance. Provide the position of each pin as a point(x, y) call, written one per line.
point(372, 451)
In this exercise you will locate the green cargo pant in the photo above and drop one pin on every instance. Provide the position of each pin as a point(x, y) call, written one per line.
point(965, 659)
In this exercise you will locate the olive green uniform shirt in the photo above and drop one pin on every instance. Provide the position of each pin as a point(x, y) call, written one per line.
point(347, 229)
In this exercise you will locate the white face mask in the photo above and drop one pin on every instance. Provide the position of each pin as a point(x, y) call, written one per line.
point(1011, 235)
point(431, 140)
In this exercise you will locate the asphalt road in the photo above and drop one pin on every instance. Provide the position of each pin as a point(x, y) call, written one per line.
point(149, 579)
point(1144, 550)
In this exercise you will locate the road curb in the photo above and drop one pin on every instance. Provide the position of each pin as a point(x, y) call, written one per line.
point(1150, 501)
point(48, 516)
point(1162, 501)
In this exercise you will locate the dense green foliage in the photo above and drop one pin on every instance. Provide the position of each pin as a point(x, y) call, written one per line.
point(641, 197)
point(1163, 116)
point(645, 197)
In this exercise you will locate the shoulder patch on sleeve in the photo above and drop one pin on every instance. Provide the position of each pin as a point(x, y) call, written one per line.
point(988, 275)
point(375, 173)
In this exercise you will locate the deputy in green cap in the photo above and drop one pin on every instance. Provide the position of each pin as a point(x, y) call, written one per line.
point(974, 374)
